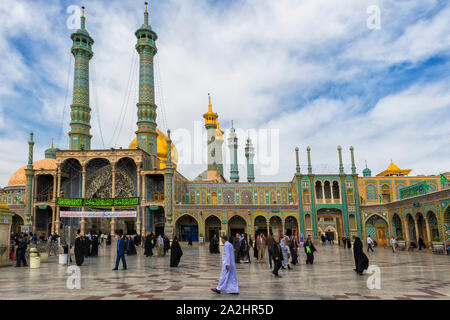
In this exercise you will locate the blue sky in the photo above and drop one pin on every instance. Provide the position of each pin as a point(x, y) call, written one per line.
point(310, 70)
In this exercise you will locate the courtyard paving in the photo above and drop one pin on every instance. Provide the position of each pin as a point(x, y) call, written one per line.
point(404, 276)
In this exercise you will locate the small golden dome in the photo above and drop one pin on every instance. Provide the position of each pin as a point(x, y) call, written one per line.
point(19, 179)
point(210, 117)
point(161, 149)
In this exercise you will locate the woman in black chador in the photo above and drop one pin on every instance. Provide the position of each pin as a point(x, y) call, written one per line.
point(79, 250)
point(293, 246)
point(361, 261)
point(244, 250)
point(211, 244)
point(148, 246)
point(131, 247)
point(95, 243)
point(309, 250)
point(175, 253)
point(216, 244)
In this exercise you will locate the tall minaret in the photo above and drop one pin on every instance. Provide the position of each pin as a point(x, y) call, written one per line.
point(80, 115)
point(29, 187)
point(250, 154)
point(219, 153)
point(211, 127)
point(146, 133)
point(233, 145)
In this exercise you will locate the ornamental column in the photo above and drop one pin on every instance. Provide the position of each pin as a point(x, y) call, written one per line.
point(407, 238)
point(144, 200)
point(146, 115)
point(427, 224)
point(168, 190)
point(29, 187)
point(83, 194)
point(80, 114)
point(58, 192)
point(138, 211)
point(297, 162)
point(54, 206)
point(416, 225)
point(113, 194)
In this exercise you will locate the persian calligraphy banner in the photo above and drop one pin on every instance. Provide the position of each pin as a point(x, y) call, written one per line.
point(414, 190)
point(97, 214)
point(98, 202)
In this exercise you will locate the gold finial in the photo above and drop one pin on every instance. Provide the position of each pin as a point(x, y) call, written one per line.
point(52, 144)
point(210, 104)
point(82, 11)
point(146, 6)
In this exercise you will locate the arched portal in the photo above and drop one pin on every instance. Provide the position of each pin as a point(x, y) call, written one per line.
point(421, 227)
point(411, 228)
point(331, 217)
point(376, 228)
point(260, 225)
point(17, 223)
point(187, 227)
point(43, 220)
point(291, 226)
point(447, 223)
point(237, 224)
point(433, 225)
point(212, 226)
point(276, 225)
point(397, 226)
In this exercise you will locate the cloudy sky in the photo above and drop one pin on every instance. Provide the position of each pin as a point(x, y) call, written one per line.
point(288, 72)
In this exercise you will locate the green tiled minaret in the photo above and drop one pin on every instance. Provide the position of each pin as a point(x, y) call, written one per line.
point(29, 187)
point(146, 123)
point(233, 145)
point(80, 114)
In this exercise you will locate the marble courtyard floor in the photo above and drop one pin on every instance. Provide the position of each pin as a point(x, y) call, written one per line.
point(404, 276)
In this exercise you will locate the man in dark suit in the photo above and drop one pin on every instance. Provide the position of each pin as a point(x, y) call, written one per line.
point(121, 248)
point(277, 257)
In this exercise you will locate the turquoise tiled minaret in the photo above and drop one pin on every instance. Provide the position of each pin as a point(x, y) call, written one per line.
point(29, 186)
point(169, 190)
point(80, 115)
point(250, 154)
point(233, 145)
point(146, 115)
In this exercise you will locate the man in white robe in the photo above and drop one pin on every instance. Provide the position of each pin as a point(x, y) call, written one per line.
point(228, 278)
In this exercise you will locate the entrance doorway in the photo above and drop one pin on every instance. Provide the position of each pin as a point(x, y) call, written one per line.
point(187, 228)
point(212, 226)
point(237, 224)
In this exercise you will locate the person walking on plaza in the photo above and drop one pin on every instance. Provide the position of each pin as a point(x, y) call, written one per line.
point(293, 247)
point(79, 250)
point(394, 244)
point(284, 244)
point(166, 244)
point(21, 248)
point(237, 248)
point(121, 250)
point(190, 240)
point(369, 243)
point(269, 245)
point(160, 246)
point(244, 250)
point(361, 260)
point(421, 243)
point(228, 278)
point(175, 253)
point(309, 250)
point(148, 246)
point(277, 256)
point(254, 245)
point(261, 247)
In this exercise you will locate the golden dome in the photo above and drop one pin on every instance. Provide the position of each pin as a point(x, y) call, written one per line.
point(161, 147)
point(19, 179)
point(210, 116)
